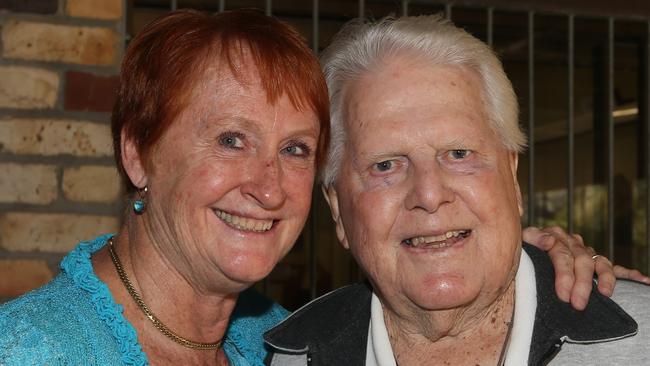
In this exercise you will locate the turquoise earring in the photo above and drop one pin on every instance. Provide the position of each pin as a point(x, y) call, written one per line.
point(140, 204)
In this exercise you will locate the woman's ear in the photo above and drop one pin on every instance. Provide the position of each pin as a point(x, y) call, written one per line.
point(333, 201)
point(132, 162)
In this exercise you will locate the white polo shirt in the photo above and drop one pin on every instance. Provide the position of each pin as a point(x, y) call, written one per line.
point(380, 353)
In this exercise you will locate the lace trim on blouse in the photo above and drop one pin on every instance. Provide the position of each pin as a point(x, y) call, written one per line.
point(78, 266)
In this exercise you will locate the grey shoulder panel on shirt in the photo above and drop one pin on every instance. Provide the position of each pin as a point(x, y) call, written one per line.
point(284, 359)
point(634, 298)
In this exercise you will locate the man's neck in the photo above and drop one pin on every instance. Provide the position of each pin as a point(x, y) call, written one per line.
point(453, 337)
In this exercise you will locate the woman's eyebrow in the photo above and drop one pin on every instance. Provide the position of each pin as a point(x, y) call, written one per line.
point(227, 121)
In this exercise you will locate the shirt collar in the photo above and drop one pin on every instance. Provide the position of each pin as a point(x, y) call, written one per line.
point(380, 353)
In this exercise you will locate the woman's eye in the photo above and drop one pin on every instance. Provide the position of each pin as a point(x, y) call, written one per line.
point(297, 149)
point(232, 140)
point(384, 166)
point(459, 154)
point(294, 150)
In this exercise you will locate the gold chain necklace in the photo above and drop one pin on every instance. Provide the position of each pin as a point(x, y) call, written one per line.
point(145, 309)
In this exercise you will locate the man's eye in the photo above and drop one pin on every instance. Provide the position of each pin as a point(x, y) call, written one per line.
point(384, 166)
point(232, 140)
point(459, 154)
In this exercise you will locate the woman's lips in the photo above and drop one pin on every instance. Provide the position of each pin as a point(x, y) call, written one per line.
point(438, 241)
point(244, 223)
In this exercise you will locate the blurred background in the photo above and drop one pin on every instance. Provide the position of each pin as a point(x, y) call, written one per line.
point(580, 69)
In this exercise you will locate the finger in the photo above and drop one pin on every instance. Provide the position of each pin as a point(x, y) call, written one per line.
point(583, 268)
point(630, 274)
point(605, 272)
point(538, 238)
point(579, 238)
point(562, 260)
point(584, 272)
point(591, 251)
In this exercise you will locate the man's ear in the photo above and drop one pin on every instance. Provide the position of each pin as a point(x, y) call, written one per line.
point(333, 201)
point(132, 162)
point(514, 162)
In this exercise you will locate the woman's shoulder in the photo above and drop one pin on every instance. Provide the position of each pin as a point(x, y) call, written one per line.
point(70, 320)
point(52, 324)
point(252, 304)
point(254, 314)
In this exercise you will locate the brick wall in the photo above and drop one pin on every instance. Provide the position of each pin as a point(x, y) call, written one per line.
point(59, 61)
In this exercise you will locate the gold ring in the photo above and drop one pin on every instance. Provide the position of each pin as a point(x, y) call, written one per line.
point(593, 257)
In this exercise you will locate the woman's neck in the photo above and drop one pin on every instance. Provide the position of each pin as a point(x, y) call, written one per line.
point(453, 337)
point(180, 306)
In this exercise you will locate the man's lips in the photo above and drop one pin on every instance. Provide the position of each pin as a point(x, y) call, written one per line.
point(438, 241)
point(244, 223)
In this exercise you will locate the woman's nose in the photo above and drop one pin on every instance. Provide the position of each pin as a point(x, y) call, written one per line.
point(265, 184)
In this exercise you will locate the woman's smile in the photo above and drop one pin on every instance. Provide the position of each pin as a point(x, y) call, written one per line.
point(244, 223)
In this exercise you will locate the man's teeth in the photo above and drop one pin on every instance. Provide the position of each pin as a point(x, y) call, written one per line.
point(243, 223)
point(440, 239)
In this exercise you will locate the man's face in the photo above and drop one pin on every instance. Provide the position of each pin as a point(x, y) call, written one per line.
point(426, 199)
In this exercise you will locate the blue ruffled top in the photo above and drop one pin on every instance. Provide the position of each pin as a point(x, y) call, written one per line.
point(74, 320)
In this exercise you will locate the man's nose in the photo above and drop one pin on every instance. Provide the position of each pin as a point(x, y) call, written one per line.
point(264, 184)
point(430, 189)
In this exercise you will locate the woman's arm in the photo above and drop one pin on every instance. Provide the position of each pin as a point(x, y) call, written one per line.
point(575, 265)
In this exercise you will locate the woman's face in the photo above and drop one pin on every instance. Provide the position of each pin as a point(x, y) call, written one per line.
point(427, 198)
point(230, 181)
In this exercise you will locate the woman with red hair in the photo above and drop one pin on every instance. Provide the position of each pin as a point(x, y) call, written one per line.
point(220, 123)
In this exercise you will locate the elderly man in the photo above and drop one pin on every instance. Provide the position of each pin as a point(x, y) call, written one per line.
point(422, 185)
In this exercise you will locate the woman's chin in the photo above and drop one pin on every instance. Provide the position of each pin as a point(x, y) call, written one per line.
point(249, 272)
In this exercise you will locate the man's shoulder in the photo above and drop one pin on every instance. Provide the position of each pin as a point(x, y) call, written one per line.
point(633, 298)
point(331, 330)
point(338, 320)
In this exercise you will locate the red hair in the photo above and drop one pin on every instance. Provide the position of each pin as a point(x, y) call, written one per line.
point(171, 53)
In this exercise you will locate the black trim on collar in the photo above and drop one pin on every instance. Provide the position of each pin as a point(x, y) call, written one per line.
point(556, 321)
point(339, 338)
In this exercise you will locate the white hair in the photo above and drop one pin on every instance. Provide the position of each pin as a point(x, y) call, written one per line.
point(361, 45)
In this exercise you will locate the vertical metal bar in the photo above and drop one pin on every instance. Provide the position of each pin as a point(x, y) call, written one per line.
point(610, 139)
point(531, 118)
point(647, 144)
point(405, 8)
point(312, 228)
point(362, 9)
point(314, 26)
point(448, 11)
point(267, 7)
point(122, 29)
point(173, 5)
point(490, 26)
point(222, 5)
point(570, 125)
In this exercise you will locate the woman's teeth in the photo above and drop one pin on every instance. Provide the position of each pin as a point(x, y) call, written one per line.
point(437, 241)
point(243, 223)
